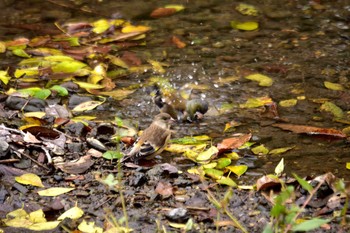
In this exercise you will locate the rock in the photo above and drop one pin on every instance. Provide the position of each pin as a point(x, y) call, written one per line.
point(178, 215)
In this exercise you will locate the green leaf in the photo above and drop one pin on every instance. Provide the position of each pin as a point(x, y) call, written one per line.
point(256, 102)
point(245, 26)
point(332, 108)
point(36, 92)
point(213, 173)
point(191, 140)
point(4, 77)
point(303, 183)
point(222, 163)
point(263, 80)
point(280, 167)
point(238, 169)
point(112, 155)
point(309, 225)
point(280, 150)
point(260, 150)
point(62, 91)
point(226, 181)
point(333, 86)
point(67, 66)
point(20, 53)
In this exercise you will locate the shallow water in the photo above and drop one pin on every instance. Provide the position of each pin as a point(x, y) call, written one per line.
point(300, 44)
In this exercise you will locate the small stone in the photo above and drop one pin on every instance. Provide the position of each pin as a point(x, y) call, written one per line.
point(178, 215)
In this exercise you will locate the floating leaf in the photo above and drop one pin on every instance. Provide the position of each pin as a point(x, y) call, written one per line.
point(52, 192)
point(131, 28)
point(86, 106)
point(256, 102)
point(280, 150)
point(191, 140)
point(226, 181)
point(233, 143)
point(332, 108)
point(238, 169)
point(280, 167)
point(263, 80)
point(29, 178)
point(333, 86)
point(73, 213)
point(311, 130)
point(246, 9)
point(245, 26)
point(208, 154)
point(4, 77)
point(288, 103)
point(260, 150)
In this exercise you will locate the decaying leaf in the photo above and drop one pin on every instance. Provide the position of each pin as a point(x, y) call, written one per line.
point(76, 166)
point(164, 189)
point(267, 182)
point(311, 130)
point(86, 106)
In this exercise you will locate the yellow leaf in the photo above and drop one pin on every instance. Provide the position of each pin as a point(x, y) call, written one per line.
point(206, 155)
point(2, 47)
point(260, 150)
point(117, 94)
point(131, 28)
point(4, 77)
point(232, 155)
point(288, 103)
point(256, 102)
point(37, 216)
point(238, 169)
point(28, 72)
point(348, 166)
point(89, 227)
point(263, 80)
point(73, 213)
point(333, 86)
point(44, 226)
point(117, 61)
point(86, 106)
point(246, 9)
point(86, 85)
point(226, 181)
point(280, 150)
point(100, 26)
point(29, 178)
point(175, 6)
point(157, 66)
point(332, 108)
point(34, 114)
point(53, 192)
point(245, 26)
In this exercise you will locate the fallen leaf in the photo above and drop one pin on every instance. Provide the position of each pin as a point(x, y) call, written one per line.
point(89, 227)
point(288, 103)
point(179, 44)
point(226, 181)
point(86, 106)
point(244, 26)
point(332, 108)
point(280, 150)
point(246, 9)
point(76, 166)
point(53, 192)
point(164, 189)
point(263, 80)
point(333, 86)
point(233, 143)
point(73, 213)
point(280, 167)
point(267, 182)
point(260, 150)
point(311, 130)
point(207, 155)
point(238, 169)
point(29, 178)
point(162, 12)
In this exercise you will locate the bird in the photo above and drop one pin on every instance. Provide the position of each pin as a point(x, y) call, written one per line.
point(180, 108)
point(153, 140)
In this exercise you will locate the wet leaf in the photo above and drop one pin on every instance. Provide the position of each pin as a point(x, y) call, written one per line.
point(214, 173)
point(20, 53)
point(309, 225)
point(222, 163)
point(231, 124)
point(86, 106)
point(232, 155)
point(157, 66)
point(348, 166)
point(288, 103)
point(4, 77)
point(226, 181)
point(208, 154)
point(112, 155)
point(2, 47)
point(68, 66)
point(117, 94)
point(179, 44)
point(177, 7)
point(73, 213)
point(100, 26)
point(62, 91)
point(28, 72)
point(131, 28)
point(333, 86)
point(164, 189)
point(36, 92)
point(246, 9)
point(162, 12)
point(256, 102)
point(260, 150)
point(53, 192)
point(263, 80)
point(311, 130)
point(29, 178)
point(210, 165)
point(332, 108)
point(280, 150)
point(280, 167)
point(191, 140)
point(233, 143)
point(245, 26)
point(179, 148)
point(117, 61)
point(89, 227)
point(238, 169)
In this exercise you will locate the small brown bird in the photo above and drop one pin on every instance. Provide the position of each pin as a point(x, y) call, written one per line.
point(153, 139)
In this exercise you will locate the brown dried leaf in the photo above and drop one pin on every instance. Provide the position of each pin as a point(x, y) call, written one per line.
point(267, 182)
point(76, 166)
point(233, 143)
point(178, 42)
point(311, 130)
point(162, 12)
point(164, 189)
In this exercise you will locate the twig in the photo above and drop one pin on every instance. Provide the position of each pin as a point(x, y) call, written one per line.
point(2, 126)
point(9, 161)
point(33, 160)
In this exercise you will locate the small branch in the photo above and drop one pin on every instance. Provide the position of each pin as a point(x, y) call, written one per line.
point(33, 160)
